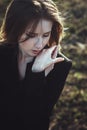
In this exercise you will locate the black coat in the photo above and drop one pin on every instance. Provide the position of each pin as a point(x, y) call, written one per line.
point(27, 104)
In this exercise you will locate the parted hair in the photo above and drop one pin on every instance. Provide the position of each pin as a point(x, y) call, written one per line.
point(22, 13)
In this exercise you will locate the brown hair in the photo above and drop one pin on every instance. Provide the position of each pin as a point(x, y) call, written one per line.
point(21, 13)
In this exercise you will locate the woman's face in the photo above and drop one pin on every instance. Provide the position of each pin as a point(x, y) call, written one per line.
point(38, 39)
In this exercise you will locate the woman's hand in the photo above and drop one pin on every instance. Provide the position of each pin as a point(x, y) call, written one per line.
point(46, 60)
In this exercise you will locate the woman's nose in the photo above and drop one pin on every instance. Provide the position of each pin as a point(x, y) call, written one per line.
point(39, 43)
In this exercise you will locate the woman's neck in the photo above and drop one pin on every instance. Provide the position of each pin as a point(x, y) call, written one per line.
point(24, 59)
point(22, 64)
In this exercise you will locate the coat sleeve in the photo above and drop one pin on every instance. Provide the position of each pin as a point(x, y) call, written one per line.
point(56, 80)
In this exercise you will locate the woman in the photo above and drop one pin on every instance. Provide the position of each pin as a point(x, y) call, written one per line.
point(32, 69)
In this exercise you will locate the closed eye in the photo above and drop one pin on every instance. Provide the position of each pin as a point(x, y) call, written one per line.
point(46, 34)
point(31, 35)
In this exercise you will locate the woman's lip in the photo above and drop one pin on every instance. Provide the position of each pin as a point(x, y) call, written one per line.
point(36, 51)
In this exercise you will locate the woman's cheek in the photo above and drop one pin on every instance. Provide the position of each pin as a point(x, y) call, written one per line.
point(46, 41)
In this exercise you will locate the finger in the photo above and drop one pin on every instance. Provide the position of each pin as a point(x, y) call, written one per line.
point(50, 66)
point(51, 49)
point(59, 59)
point(41, 53)
point(54, 53)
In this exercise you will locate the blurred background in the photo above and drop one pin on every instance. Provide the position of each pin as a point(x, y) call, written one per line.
point(70, 112)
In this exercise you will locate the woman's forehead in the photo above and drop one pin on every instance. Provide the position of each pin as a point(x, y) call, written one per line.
point(41, 27)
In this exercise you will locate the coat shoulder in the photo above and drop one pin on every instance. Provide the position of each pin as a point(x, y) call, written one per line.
point(62, 69)
point(67, 63)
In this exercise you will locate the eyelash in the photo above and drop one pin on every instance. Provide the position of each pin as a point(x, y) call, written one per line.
point(32, 35)
point(46, 35)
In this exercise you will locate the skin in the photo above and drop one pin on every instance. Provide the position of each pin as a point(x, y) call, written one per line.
point(37, 39)
point(33, 47)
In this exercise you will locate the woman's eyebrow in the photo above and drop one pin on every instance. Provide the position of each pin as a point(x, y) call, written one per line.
point(47, 32)
point(37, 33)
